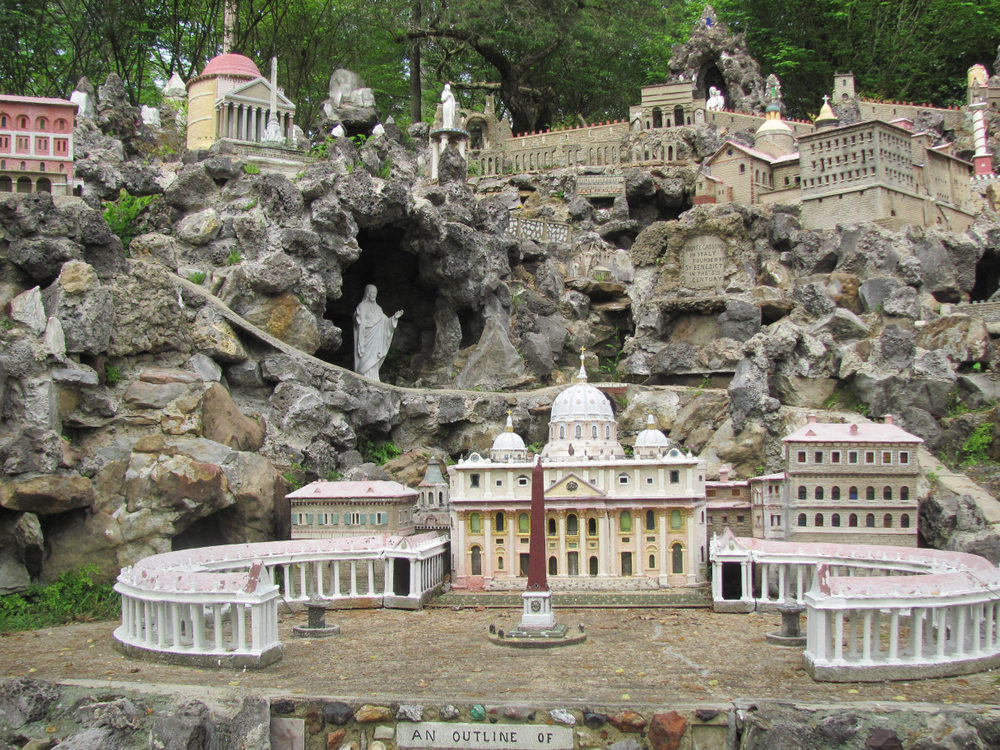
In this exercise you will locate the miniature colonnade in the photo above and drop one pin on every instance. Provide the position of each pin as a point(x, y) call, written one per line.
point(219, 605)
point(873, 613)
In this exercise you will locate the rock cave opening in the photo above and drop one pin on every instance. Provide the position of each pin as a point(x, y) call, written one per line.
point(396, 275)
point(709, 76)
point(204, 532)
point(473, 323)
point(987, 276)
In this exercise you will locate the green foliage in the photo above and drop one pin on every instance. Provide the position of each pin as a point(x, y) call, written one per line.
point(112, 375)
point(196, 277)
point(385, 171)
point(6, 323)
point(932, 476)
point(123, 213)
point(74, 597)
point(359, 140)
point(629, 450)
point(535, 447)
point(333, 476)
point(251, 168)
point(977, 367)
point(322, 150)
point(234, 257)
point(295, 476)
point(473, 168)
point(379, 453)
point(977, 448)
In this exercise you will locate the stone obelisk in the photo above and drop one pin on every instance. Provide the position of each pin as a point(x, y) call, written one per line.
point(537, 599)
point(273, 135)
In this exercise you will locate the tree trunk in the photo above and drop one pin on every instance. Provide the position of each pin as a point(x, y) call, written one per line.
point(416, 99)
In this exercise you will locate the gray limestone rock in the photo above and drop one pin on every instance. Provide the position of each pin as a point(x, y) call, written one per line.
point(842, 325)
point(873, 293)
point(495, 362)
point(84, 307)
point(148, 317)
point(272, 273)
point(897, 348)
point(747, 391)
point(23, 700)
point(297, 408)
point(740, 320)
point(193, 190)
point(280, 199)
point(814, 300)
point(674, 358)
point(42, 257)
point(960, 338)
point(32, 449)
point(187, 727)
point(199, 228)
point(903, 301)
point(250, 729)
point(245, 375)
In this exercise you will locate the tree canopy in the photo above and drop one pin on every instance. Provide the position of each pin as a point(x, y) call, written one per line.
point(548, 62)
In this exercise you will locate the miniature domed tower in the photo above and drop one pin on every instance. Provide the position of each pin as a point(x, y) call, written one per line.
point(827, 120)
point(774, 137)
point(651, 443)
point(582, 423)
point(508, 445)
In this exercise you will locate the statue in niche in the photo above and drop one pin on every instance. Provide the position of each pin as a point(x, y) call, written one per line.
point(716, 101)
point(448, 110)
point(372, 335)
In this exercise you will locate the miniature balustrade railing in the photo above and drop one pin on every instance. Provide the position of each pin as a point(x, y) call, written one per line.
point(217, 606)
point(874, 613)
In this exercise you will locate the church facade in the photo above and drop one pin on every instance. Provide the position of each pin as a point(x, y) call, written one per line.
point(612, 521)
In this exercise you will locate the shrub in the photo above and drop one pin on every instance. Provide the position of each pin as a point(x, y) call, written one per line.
point(379, 453)
point(234, 257)
point(112, 375)
point(74, 596)
point(6, 323)
point(385, 171)
point(977, 448)
point(122, 214)
point(196, 277)
point(251, 168)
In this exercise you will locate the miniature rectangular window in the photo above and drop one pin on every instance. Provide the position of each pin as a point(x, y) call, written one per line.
point(834, 457)
point(739, 519)
point(709, 493)
point(675, 477)
point(725, 519)
point(649, 480)
point(818, 457)
point(904, 457)
point(710, 519)
point(737, 492)
point(499, 483)
point(623, 479)
point(473, 480)
point(869, 457)
point(522, 481)
point(802, 457)
point(357, 519)
point(852, 457)
point(886, 457)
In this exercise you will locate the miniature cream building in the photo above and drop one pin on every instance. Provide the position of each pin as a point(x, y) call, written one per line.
point(611, 521)
point(433, 500)
point(727, 504)
point(852, 483)
point(323, 510)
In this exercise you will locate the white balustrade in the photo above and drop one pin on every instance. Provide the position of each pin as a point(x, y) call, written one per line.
point(217, 606)
point(873, 613)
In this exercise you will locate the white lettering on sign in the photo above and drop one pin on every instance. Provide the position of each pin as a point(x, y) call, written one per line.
point(444, 736)
point(703, 261)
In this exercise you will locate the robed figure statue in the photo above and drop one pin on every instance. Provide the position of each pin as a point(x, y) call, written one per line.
point(372, 334)
point(448, 110)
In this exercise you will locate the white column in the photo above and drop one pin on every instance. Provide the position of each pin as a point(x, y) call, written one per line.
point(764, 593)
point(916, 633)
point(822, 635)
point(894, 635)
point(161, 624)
point(781, 583)
point(319, 578)
point(197, 627)
point(240, 632)
point(942, 636)
point(414, 576)
point(286, 581)
point(989, 607)
point(561, 544)
point(354, 578)
point(217, 621)
point(960, 626)
point(838, 636)
point(336, 579)
point(605, 544)
point(256, 625)
point(853, 638)
point(801, 590)
point(371, 578)
point(488, 545)
point(303, 588)
point(175, 621)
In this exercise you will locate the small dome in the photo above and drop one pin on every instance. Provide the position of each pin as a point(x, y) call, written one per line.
point(773, 126)
point(581, 401)
point(508, 440)
point(231, 64)
point(651, 437)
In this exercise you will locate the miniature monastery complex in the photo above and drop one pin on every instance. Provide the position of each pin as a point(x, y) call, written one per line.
point(36, 145)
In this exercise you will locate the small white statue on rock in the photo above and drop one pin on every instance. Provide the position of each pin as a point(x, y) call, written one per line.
point(716, 101)
point(378, 129)
point(373, 332)
point(150, 117)
point(448, 109)
point(338, 131)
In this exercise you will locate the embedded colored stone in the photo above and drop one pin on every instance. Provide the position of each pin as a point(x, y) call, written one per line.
point(382, 732)
point(447, 713)
point(335, 738)
point(478, 713)
point(371, 714)
point(410, 713)
point(314, 721)
point(594, 720)
point(377, 745)
point(881, 738)
point(337, 713)
point(630, 744)
point(562, 716)
point(707, 714)
point(587, 740)
point(283, 707)
point(666, 731)
point(513, 712)
point(628, 721)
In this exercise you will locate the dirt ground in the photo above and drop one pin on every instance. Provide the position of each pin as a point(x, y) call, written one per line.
point(631, 657)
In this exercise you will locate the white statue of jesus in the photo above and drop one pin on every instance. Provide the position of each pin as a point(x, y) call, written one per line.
point(448, 99)
point(716, 101)
point(372, 335)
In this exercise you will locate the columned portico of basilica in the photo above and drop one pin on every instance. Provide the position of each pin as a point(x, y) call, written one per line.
point(611, 521)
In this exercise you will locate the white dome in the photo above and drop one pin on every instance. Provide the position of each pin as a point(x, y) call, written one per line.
point(581, 401)
point(651, 437)
point(508, 441)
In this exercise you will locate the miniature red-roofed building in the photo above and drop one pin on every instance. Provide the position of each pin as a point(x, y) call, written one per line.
point(36, 145)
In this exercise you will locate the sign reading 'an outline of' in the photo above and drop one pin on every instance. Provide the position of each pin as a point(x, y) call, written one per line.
point(444, 736)
point(703, 261)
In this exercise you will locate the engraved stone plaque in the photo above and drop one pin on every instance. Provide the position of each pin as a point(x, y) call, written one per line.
point(446, 736)
point(600, 186)
point(703, 261)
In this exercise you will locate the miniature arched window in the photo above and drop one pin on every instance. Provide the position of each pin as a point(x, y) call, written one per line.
point(41, 166)
point(819, 493)
point(677, 553)
point(562, 432)
point(591, 527)
point(802, 519)
point(675, 519)
point(625, 521)
point(852, 494)
point(60, 126)
point(500, 563)
point(852, 521)
point(572, 525)
point(670, 153)
point(870, 493)
point(650, 521)
point(593, 432)
point(835, 519)
point(819, 519)
point(579, 432)
point(23, 166)
point(652, 562)
point(678, 116)
point(477, 561)
point(887, 521)
point(835, 493)
point(887, 493)
point(657, 117)
point(870, 521)
point(22, 122)
point(498, 522)
point(523, 523)
point(743, 168)
point(475, 524)
point(41, 124)
point(904, 493)
point(593, 566)
point(803, 492)
point(552, 527)
point(3, 121)
point(43, 185)
point(607, 432)
point(904, 520)
point(553, 566)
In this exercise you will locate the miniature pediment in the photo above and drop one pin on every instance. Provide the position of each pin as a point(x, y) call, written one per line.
point(573, 485)
point(259, 89)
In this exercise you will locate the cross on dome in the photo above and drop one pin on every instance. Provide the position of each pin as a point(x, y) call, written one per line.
point(826, 99)
point(581, 376)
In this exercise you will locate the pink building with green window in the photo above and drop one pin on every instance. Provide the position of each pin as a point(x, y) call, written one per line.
point(36, 145)
point(852, 483)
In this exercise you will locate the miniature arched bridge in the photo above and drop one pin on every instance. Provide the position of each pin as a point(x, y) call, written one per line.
point(218, 606)
point(873, 613)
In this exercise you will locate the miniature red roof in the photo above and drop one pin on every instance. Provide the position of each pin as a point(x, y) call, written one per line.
point(231, 64)
point(860, 432)
point(35, 100)
point(352, 490)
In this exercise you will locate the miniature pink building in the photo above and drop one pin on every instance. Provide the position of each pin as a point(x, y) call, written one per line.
point(36, 145)
point(324, 510)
